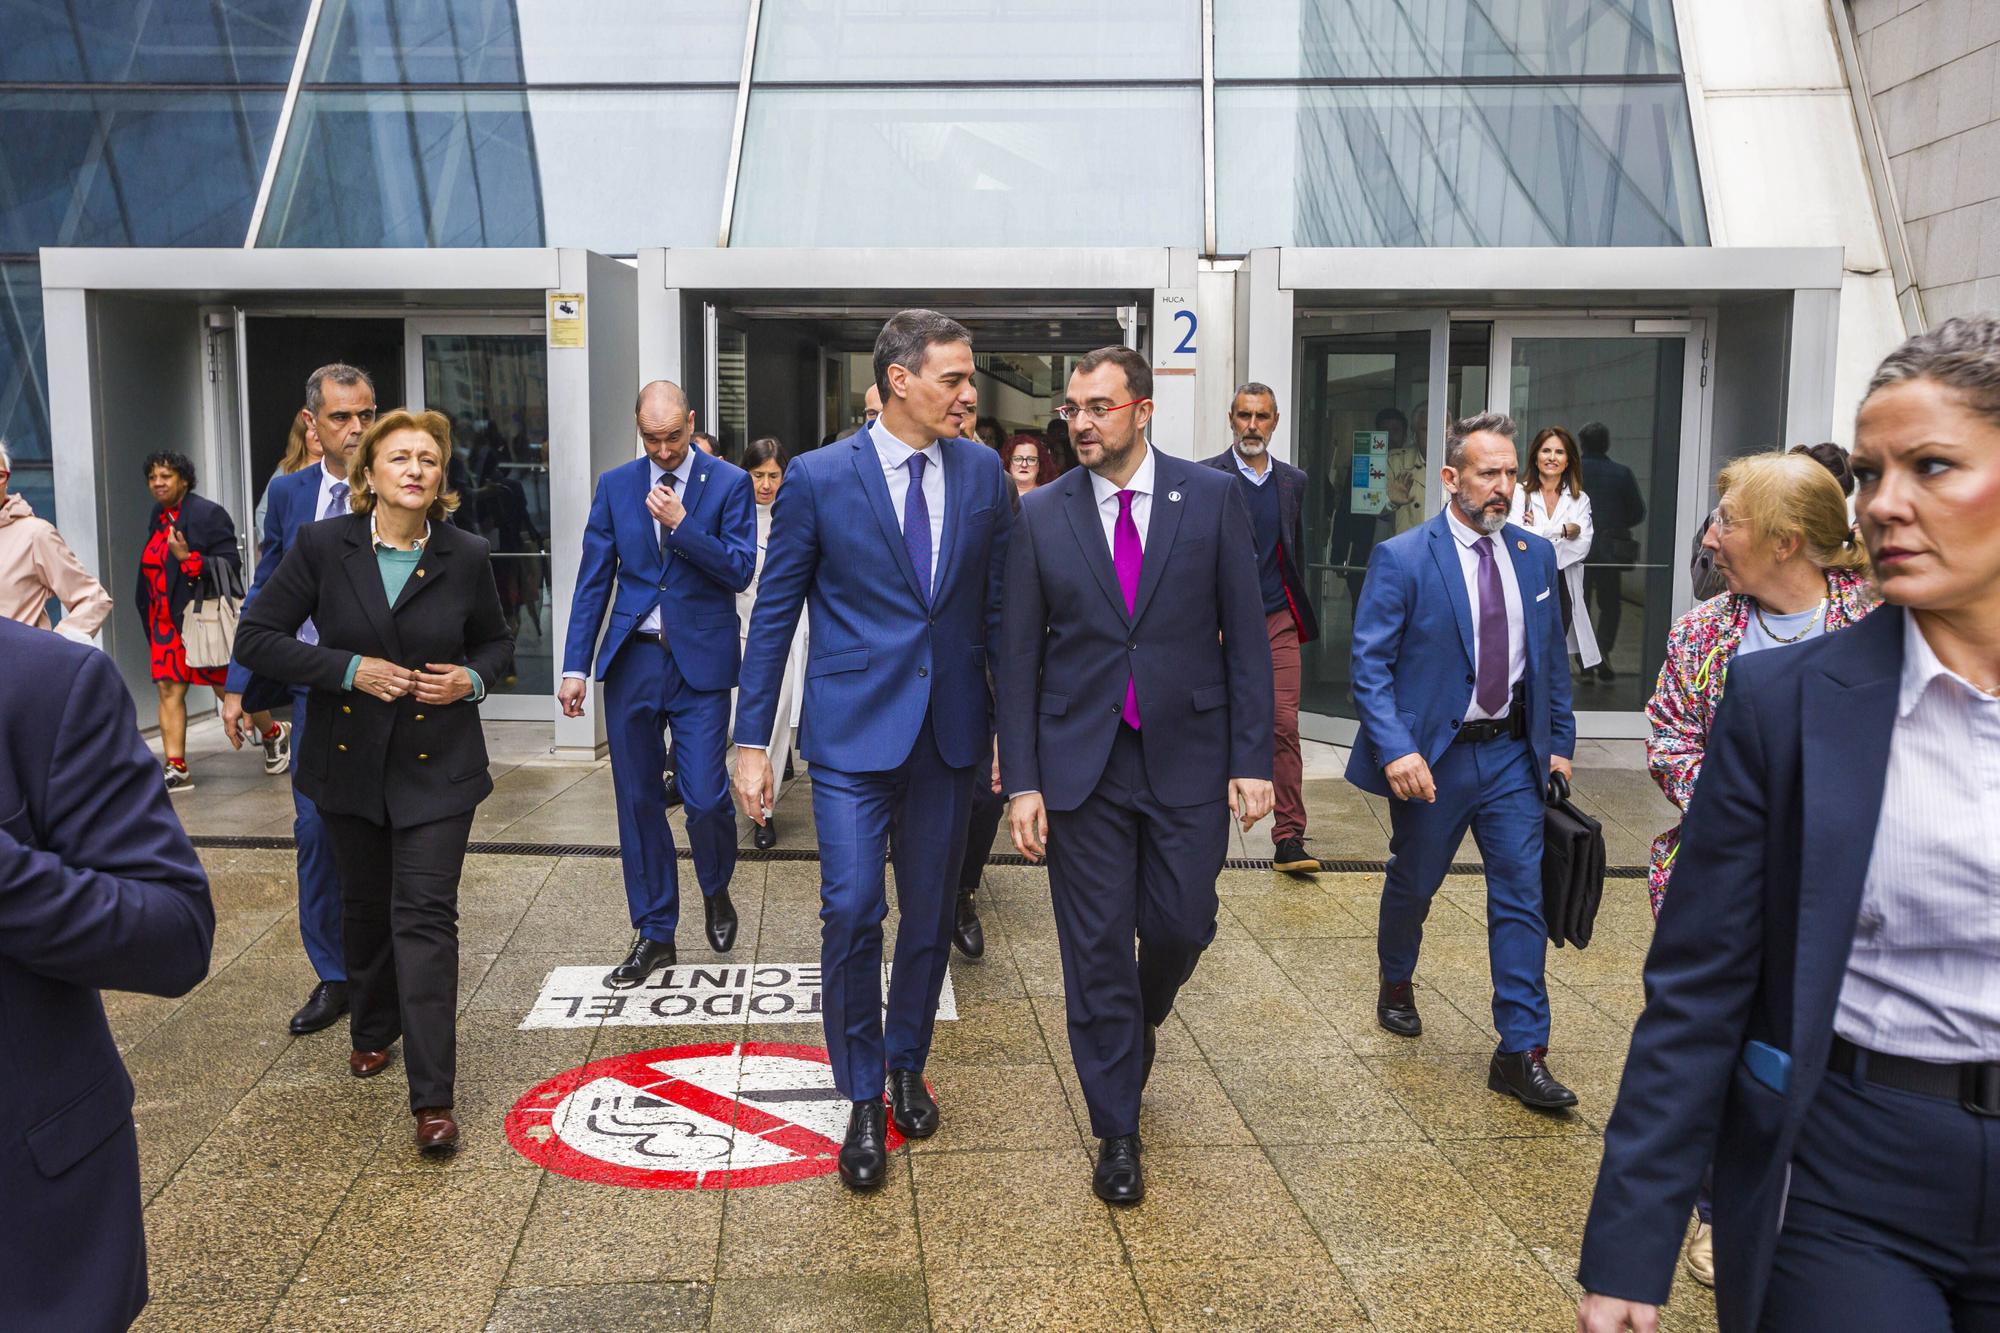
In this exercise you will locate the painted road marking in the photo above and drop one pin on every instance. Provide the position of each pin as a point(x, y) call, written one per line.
point(723, 1115)
point(693, 994)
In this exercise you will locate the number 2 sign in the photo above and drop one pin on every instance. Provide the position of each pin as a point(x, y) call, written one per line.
point(1175, 326)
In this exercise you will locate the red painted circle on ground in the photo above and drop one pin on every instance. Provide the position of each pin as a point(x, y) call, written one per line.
point(719, 1115)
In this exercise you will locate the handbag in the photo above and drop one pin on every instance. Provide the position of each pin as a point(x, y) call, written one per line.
point(1572, 867)
point(208, 623)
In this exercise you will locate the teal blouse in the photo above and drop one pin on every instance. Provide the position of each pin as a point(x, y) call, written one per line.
point(395, 567)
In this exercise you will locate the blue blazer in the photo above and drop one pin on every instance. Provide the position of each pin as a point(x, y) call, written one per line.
point(710, 558)
point(881, 655)
point(1751, 945)
point(1196, 643)
point(98, 888)
point(291, 502)
point(1413, 659)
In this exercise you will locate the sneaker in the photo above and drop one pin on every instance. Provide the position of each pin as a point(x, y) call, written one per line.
point(1290, 857)
point(278, 750)
point(178, 778)
point(1700, 1256)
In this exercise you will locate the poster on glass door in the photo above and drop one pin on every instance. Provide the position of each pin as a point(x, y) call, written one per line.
point(1370, 482)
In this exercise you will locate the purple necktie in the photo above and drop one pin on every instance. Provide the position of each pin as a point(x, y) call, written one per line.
point(1127, 555)
point(1494, 651)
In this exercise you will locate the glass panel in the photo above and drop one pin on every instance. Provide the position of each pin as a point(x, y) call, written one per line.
point(667, 152)
point(24, 398)
point(971, 167)
point(219, 41)
point(407, 169)
point(1363, 412)
point(416, 41)
point(1372, 39)
point(732, 391)
point(1632, 387)
point(857, 41)
point(1564, 165)
point(130, 168)
point(633, 41)
point(494, 387)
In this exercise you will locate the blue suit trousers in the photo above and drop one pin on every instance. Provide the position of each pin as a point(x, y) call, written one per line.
point(1492, 789)
point(319, 878)
point(644, 693)
point(914, 816)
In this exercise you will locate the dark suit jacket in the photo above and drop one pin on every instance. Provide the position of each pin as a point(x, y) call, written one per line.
point(883, 655)
point(1751, 945)
point(289, 505)
point(1413, 650)
point(98, 888)
point(1196, 644)
point(402, 763)
point(210, 533)
point(710, 557)
point(1291, 483)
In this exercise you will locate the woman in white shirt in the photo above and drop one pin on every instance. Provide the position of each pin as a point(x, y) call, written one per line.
point(764, 460)
point(1554, 505)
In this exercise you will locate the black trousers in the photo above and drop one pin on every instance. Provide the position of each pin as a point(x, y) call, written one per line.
point(399, 928)
point(1122, 865)
point(1893, 1219)
point(981, 827)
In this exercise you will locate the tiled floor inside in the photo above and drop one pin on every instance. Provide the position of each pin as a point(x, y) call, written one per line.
point(1306, 1170)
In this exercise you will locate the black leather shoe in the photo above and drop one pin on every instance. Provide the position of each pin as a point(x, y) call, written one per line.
point(639, 964)
point(1149, 1046)
point(864, 1155)
point(1291, 857)
point(1525, 1074)
point(911, 1105)
point(966, 932)
point(764, 836)
point(323, 1008)
point(1396, 1008)
point(721, 918)
point(1119, 1179)
point(673, 789)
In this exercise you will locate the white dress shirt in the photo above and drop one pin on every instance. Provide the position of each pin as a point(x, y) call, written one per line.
point(895, 455)
point(309, 632)
point(651, 624)
point(1510, 588)
point(1923, 980)
point(1141, 486)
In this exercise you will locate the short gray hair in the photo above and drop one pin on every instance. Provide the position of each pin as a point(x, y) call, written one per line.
point(1255, 390)
point(340, 373)
point(1455, 436)
point(1962, 354)
point(908, 338)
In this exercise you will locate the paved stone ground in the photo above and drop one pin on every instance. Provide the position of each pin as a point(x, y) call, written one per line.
point(1306, 1170)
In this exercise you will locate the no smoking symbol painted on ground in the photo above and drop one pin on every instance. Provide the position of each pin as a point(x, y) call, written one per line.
point(724, 1115)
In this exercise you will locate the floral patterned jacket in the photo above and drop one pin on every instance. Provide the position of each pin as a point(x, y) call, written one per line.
point(1690, 688)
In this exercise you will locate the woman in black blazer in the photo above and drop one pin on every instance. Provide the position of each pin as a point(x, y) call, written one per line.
point(410, 631)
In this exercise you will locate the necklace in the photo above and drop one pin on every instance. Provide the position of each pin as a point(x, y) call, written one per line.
point(1774, 636)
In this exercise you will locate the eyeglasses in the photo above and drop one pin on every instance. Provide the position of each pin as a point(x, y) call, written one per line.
point(1093, 411)
point(1017, 460)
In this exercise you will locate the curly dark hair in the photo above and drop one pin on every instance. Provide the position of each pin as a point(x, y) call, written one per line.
point(166, 458)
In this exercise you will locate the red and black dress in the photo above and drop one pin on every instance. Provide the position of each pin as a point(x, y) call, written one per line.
point(163, 633)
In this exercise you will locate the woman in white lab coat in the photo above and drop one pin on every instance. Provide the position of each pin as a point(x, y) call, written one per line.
point(1550, 501)
point(764, 460)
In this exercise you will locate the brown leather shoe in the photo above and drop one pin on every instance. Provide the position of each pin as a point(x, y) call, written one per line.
point(367, 1064)
point(436, 1130)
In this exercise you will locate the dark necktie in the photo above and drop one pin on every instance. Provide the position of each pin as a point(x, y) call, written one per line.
point(1126, 557)
point(336, 500)
point(1494, 650)
point(667, 481)
point(917, 525)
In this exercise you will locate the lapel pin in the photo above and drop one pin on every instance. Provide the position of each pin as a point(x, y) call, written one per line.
point(1174, 496)
point(420, 573)
point(1520, 546)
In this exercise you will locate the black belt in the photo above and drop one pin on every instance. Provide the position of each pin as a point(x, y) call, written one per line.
point(647, 636)
point(1490, 729)
point(1976, 1087)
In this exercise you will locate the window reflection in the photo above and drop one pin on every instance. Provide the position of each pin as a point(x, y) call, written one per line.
point(100, 41)
point(24, 398)
point(619, 170)
point(1486, 166)
point(1442, 38)
point(416, 41)
point(868, 41)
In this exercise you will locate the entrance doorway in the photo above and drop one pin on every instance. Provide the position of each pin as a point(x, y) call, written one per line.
point(280, 351)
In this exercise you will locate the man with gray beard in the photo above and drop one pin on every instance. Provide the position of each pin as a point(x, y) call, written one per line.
point(1461, 680)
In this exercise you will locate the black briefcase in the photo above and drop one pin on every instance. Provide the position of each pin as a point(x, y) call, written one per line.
point(1572, 867)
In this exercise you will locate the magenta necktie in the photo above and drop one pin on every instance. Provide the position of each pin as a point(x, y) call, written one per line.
point(1494, 650)
point(1127, 555)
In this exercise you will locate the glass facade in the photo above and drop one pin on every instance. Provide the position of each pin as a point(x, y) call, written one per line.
point(115, 41)
point(1443, 39)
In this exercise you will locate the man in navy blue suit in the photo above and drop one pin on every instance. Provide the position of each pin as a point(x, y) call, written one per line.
point(1462, 682)
point(672, 538)
point(1135, 701)
point(340, 406)
point(896, 538)
point(99, 887)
